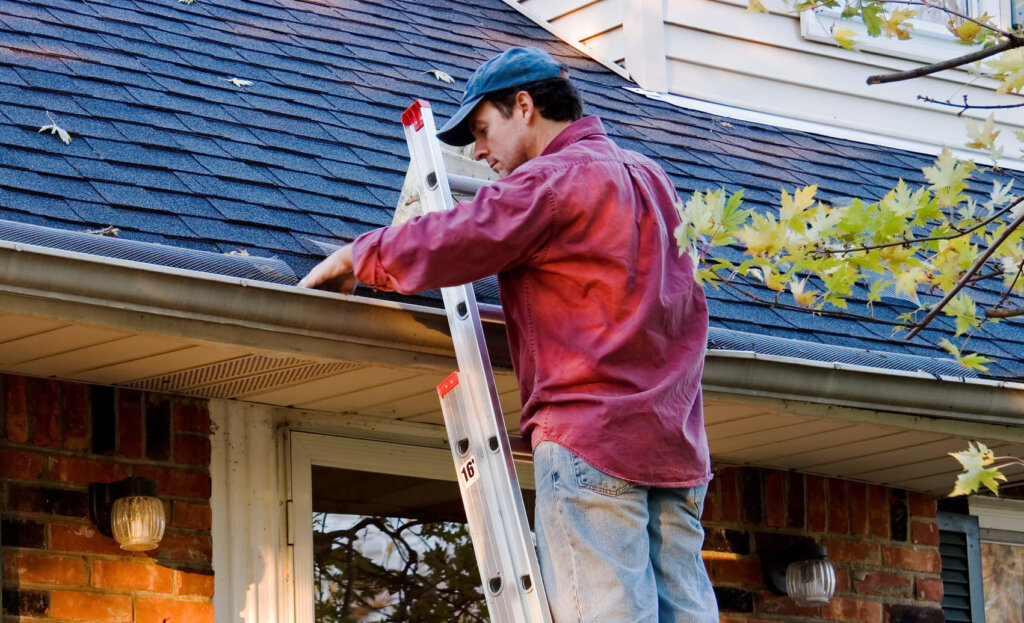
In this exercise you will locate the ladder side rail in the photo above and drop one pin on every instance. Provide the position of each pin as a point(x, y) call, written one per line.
point(502, 505)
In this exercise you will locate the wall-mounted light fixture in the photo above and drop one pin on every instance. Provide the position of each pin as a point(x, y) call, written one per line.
point(130, 511)
point(801, 571)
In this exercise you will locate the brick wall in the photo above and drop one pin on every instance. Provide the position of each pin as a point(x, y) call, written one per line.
point(57, 438)
point(882, 542)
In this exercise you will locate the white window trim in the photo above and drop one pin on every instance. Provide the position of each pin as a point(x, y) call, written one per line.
point(929, 42)
point(309, 449)
point(1000, 520)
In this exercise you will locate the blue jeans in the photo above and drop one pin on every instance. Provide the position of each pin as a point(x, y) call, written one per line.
point(614, 551)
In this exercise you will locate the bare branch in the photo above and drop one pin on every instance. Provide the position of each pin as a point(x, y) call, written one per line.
point(1004, 313)
point(967, 276)
point(1010, 42)
point(965, 106)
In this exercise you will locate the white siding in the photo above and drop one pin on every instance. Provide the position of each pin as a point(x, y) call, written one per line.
point(716, 52)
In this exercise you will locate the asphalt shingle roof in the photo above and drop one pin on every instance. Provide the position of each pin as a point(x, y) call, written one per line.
point(168, 150)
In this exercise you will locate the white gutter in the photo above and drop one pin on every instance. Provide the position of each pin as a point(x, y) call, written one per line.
point(78, 287)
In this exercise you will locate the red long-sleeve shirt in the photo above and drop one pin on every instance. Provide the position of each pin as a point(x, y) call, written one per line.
point(607, 327)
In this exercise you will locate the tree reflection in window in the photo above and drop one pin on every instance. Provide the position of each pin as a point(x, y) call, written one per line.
point(394, 569)
point(389, 547)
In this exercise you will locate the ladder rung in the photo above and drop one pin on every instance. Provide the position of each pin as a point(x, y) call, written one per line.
point(465, 185)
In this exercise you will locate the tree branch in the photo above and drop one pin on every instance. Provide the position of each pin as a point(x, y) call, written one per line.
point(965, 106)
point(910, 241)
point(1009, 43)
point(967, 276)
point(1004, 313)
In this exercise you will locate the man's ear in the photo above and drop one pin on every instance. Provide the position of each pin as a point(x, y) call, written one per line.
point(524, 105)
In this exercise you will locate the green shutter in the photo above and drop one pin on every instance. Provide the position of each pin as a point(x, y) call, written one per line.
point(963, 600)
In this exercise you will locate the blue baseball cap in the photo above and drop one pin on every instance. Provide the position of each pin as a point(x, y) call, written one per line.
point(511, 68)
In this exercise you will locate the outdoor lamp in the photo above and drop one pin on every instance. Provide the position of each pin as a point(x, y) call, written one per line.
point(130, 511)
point(801, 571)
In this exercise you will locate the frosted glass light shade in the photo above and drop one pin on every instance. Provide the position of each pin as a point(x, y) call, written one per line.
point(137, 522)
point(811, 582)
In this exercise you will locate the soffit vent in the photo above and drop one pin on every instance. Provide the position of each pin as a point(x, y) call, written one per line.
point(243, 376)
point(242, 266)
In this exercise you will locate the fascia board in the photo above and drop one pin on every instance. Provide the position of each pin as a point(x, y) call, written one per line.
point(275, 318)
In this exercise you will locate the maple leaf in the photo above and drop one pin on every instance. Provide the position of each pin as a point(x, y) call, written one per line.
point(964, 310)
point(239, 82)
point(440, 75)
point(972, 360)
point(755, 6)
point(844, 37)
point(1008, 68)
point(872, 14)
point(975, 461)
point(983, 137)
point(53, 128)
point(805, 298)
point(895, 26)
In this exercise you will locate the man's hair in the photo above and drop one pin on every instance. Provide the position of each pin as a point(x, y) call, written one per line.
point(555, 98)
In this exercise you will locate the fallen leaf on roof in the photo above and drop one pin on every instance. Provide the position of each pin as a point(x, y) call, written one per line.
point(53, 128)
point(239, 82)
point(440, 75)
point(726, 124)
point(186, 1)
point(109, 231)
point(238, 252)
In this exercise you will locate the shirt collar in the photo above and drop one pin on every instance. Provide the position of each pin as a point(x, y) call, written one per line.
point(575, 131)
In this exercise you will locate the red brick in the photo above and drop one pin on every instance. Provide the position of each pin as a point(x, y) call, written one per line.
point(838, 507)
point(153, 610)
point(129, 423)
point(816, 506)
point(709, 512)
point(730, 495)
point(82, 538)
point(34, 569)
point(881, 583)
point(928, 589)
point(843, 584)
point(90, 607)
point(177, 482)
point(852, 551)
point(84, 471)
point(16, 403)
point(76, 415)
point(728, 571)
point(132, 576)
point(770, 603)
point(19, 465)
point(196, 516)
point(923, 560)
point(796, 506)
point(195, 584)
point(842, 609)
point(923, 505)
point(193, 548)
point(924, 533)
point(775, 498)
point(192, 449)
point(878, 511)
point(858, 496)
point(45, 412)
point(192, 418)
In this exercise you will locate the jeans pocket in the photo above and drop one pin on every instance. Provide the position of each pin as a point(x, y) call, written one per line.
point(593, 479)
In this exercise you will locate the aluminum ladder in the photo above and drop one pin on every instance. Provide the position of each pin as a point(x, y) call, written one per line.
point(495, 511)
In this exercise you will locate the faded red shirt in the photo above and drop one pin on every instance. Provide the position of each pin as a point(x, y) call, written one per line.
point(606, 324)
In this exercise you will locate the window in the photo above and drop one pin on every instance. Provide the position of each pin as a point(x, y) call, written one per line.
point(379, 533)
point(930, 40)
point(1001, 532)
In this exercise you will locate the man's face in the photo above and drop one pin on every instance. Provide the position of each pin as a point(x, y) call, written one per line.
point(501, 141)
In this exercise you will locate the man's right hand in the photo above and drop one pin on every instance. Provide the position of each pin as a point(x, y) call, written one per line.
point(334, 273)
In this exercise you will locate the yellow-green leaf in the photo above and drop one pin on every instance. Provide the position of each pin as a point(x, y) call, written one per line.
point(975, 461)
point(755, 6)
point(844, 37)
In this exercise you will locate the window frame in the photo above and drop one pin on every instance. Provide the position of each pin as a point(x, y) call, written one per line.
point(929, 42)
point(307, 449)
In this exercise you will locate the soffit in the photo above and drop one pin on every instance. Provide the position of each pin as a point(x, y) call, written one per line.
point(819, 439)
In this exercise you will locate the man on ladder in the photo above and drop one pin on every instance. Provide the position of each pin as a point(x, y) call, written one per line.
point(607, 329)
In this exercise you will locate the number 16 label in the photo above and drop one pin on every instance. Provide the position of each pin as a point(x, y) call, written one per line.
point(469, 472)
